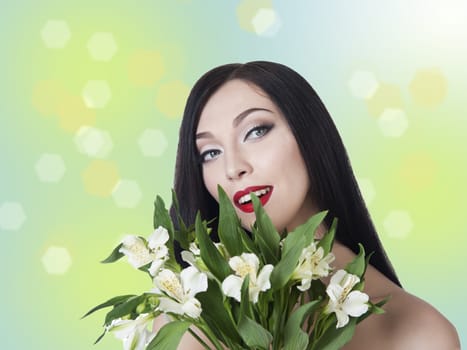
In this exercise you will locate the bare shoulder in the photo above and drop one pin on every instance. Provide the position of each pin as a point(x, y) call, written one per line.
point(415, 324)
point(408, 321)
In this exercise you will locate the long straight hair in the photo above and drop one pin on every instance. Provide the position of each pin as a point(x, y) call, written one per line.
point(332, 182)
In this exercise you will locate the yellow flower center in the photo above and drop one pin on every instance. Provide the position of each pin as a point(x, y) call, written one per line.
point(245, 269)
point(172, 286)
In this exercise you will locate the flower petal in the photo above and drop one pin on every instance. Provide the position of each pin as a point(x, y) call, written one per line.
point(169, 305)
point(342, 318)
point(232, 286)
point(252, 260)
point(263, 278)
point(338, 276)
point(193, 281)
point(168, 282)
point(355, 304)
point(159, 237)
point(155, 266)
point(135, 249)
point(236, 262)
point(192, 308)
point(334, 291)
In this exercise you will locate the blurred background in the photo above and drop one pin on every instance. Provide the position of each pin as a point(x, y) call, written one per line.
point(92, 98)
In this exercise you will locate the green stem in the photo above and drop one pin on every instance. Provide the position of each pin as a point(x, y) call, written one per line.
point(207, 331)
point(198, 338)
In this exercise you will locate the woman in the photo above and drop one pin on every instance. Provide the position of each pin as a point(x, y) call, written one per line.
point(260, 127)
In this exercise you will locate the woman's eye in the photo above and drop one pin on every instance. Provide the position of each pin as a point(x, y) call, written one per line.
point(258, 131)
point(208, 155)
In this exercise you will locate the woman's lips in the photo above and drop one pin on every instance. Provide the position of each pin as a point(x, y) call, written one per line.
point(242, 199)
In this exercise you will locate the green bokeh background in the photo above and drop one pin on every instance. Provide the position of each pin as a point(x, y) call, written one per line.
point(421, 173)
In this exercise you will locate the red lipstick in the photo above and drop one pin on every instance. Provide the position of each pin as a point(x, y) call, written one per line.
point(242, 199)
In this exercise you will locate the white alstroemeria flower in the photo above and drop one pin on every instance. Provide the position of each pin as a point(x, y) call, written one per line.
point(342, 300)
point(156, 242)
point(136, 251)
point(140, 253)
point(134, 333)
point(247, 264)
point(312, 265)
point(181, 291)
point(192, 256)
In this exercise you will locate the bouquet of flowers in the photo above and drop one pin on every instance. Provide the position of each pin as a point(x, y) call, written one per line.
point(249, 291)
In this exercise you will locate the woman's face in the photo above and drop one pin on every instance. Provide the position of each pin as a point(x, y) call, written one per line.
point(245, 145)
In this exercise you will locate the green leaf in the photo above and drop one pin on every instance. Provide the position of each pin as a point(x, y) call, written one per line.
point(328, 239)
point(162, 217)
point(357, 265)
point(286, 266)
point(245, 306)
point(306, 230)
point(176, 205)
point(209, 253)
point(374, 309)
point(268, 237)
point(294, 336)
point(124, 308)
point(184, 235)
point(114, 256)
point(247, 242)
point(215, 313)
point(253, 334)
point(335, 338)
point(169, 336)
point(111, 302)
point(228, 225)
point(100, 337)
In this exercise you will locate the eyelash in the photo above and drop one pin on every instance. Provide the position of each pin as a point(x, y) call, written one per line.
point(265, 128)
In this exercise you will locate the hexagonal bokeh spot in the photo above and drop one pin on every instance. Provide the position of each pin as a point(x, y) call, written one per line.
point(385, 96)
point(93, 142)
point(145, 68)
point(127, 194)
point(102, 46)
point(398, 224)
point(56, 260)
point(171, 98)
point(428, 87)
point(363, 84)
point(418, 171)
point(247, 10)
point(50, 167)
point(72, 113)
point(96, 93)
point(152, 143)
point(393, 122)
point(12, 216)
point(100, 178)
point(367, 189)
point(45, 96)
point(55, 34)
point(266, 22)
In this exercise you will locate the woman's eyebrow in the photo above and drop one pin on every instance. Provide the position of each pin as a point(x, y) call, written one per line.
point(237, 120)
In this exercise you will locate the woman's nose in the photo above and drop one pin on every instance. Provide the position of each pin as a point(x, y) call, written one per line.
point(236, 167)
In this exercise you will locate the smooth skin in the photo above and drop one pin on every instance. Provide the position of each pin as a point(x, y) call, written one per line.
point(243, 140)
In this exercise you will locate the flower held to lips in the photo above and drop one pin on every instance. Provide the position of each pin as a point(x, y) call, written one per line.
point(312, 265)
point(140, 253)
point(247, 264)
point(342, 300)
point(181, 291)
point(134, 333)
